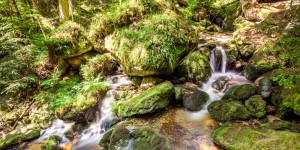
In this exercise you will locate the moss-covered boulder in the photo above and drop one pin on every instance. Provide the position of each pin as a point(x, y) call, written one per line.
point(193, 98)
point(153, 46)
point(128, 134)
point(228, 110)
point(281, 125)
point(195, 67)
point(51, 143)
point(69, 40)
point(238, 136)
point(83, 106)
point(232, 54)
point(118, 15)
point(256, 106)
point(26, 133)
point(287, 101)
point(149, 101)
point(260, 63)
point(242, 92)
point(98, 67)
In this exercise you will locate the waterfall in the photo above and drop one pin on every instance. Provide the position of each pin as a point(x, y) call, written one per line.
point(218, 60)
point(218, 64)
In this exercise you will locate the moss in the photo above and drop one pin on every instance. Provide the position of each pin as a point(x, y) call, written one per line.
point(117, 16)
point(193, 99)
point(281, 125)
point(136, 136)
point(24, 134)
point(51, 143)
point(178, 93)
point(151, 100)
point(136, 81)
point(77, 61)
point(98, 67)
point(242, 92)
point(70, 40)
point(195, 67)
point(228, 110)
point(237, 136)
point(153, 46)
point(256, 106)
point(286, 100)
point(150, 81)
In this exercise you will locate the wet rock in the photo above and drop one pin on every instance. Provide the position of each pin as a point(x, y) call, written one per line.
point(242, 92)
point(149, 101)
point(195, 67)
point(26, 133)
point(256, 106)
point(264, 86)
point(236, 136)
point(150, 81)
point(281, 125)
point(220, 83)
point(193, 98)
point(228, 110)
point(232, 54)
point(130, 135)
point(287, 101)
point(51, 143)
point(107, 123)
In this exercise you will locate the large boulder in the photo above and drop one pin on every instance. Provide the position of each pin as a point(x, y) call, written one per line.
point(195, 67)
point(26, 133)
point(256, 106)
point(69, 40)
point(282, 125)
point(238, 136)
point(227, 110)
point(260, 63)
point(193, 98)
point(149, 101)
point(130, 135)
point(82, 107)
point(153, 46)
point(242, 92)
point(287, 101)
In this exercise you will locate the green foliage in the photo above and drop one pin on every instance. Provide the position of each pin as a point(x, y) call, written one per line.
point(118, 15)
point(69, 40)
point(193, 5)
point(59, 93)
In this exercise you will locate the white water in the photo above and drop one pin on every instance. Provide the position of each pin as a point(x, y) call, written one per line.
point(57, 128)
point(217, 71)
point(91, 136)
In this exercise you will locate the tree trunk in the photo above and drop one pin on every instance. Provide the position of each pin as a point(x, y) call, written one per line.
point(64, 10)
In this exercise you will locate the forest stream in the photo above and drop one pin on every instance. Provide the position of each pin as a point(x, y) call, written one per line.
point(149, 74)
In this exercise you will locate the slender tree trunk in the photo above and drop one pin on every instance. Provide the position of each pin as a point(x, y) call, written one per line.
point(72, 9)
point(64, 10)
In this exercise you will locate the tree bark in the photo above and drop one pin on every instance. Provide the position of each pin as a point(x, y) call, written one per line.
point(64, 10)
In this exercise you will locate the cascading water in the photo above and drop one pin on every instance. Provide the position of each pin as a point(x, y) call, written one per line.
point(91, 136)
point(220, 80)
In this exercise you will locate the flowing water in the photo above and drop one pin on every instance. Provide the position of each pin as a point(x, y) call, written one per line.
point(197, 125)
